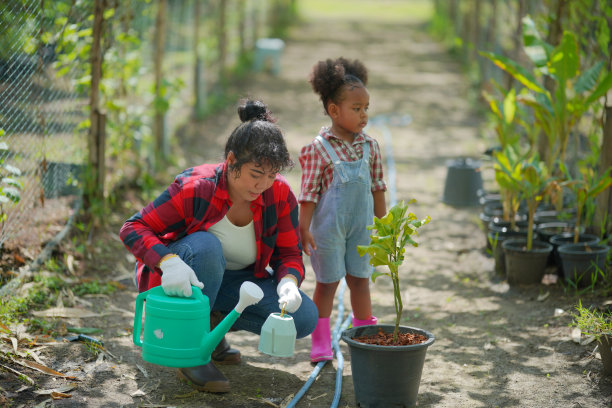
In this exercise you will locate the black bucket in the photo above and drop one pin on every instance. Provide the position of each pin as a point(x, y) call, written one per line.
point(463, 182)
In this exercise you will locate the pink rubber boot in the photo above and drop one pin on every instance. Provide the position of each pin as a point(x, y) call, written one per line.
point(367, 322)
point(321, 342)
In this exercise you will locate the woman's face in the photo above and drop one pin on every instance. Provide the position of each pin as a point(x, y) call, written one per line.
point(250, 181)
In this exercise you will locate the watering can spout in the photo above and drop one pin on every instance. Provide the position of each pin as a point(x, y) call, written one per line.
point(250, 294)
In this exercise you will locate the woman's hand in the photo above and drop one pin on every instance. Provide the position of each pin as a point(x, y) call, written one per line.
point(308, 242)
point(178, 277)
point(288, 293)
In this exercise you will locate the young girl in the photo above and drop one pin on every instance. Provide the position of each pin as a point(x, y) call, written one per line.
point(342, 189)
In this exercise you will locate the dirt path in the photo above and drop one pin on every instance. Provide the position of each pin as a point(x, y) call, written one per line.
point(495, 346)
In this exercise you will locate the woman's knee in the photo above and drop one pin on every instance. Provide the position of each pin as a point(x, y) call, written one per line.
point(306, 317)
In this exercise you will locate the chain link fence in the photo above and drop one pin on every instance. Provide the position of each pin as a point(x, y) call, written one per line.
point(45, 76)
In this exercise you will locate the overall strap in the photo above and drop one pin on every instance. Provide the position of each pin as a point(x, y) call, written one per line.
point(329, 149)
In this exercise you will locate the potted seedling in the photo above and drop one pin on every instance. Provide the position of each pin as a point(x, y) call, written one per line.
point(582, 257)
point(526, 258)
point(598, 325)
point(387, 360)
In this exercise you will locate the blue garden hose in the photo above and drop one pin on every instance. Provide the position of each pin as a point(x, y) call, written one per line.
point(335, 335)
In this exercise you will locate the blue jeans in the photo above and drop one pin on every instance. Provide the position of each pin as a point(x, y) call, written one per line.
point(203, 253)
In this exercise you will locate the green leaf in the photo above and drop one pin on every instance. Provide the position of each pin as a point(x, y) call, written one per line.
point(588, 79)
point(604, 85)
point(516, 71)
point(564, 61)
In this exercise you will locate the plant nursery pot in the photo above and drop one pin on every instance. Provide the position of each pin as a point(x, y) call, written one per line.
point(523, 266)
point(605, 351)
point(567, 215)
point(582, 262)
point(547, 230)
point(568, 238)
point(463, 181)
point(485, 197)
point(386, 376)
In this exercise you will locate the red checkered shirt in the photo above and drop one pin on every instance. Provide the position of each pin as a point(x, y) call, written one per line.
point(318, 169)
point(198, 199)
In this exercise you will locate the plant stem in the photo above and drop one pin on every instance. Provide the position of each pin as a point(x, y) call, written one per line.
point(398, 303)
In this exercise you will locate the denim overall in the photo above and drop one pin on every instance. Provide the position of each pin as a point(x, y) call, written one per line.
point(340, 219)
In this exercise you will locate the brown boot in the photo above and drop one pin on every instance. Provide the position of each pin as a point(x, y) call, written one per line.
point(204, 378)
point(224, 354)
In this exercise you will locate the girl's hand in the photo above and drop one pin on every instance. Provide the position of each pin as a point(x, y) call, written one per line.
point(308, 242)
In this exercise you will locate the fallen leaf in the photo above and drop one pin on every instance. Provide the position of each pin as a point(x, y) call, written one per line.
point(587, 340)
point(138, 393)
point(43, 368)
point(70, 263)
point(60, 395)
point(558, 312)
point(70, 312)
point(543, 296)
point(576, 334)
point(63, 389)
point(19, 259)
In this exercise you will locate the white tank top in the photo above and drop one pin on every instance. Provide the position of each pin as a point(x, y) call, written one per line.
point(238, 243)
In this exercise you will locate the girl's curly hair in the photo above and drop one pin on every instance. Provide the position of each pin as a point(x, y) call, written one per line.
point(328, 78)
point(257, 139)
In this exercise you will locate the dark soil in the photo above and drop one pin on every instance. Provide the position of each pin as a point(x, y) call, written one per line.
point(386, 339)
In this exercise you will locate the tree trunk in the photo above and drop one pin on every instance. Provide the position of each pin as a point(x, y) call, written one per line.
point(242, 27)
point(197, 77)
point(94, 183)
point(222, 35)
point(158, 120)
point(553, 38)
point(603, 210)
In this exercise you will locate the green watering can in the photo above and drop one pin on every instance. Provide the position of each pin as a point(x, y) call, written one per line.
point(177, 329)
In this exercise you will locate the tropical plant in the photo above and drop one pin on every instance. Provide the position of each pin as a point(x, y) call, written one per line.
point(586, 186)
point(531, 179)
point(507, 168)
point(576, 89)
point(387, 247)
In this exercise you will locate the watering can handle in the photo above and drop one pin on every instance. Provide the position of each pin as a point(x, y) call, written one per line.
point(138, 318)
point(196, 293)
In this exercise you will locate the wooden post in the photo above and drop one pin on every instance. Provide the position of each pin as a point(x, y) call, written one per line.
point(158, 120)
point(222, 39)
point(603, 210)
point(94, 184)
point(197, 79)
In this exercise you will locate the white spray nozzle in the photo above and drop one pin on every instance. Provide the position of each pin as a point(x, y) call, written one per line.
point(250, 294)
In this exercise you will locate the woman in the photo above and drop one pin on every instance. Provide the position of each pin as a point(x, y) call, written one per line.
point(218, 225)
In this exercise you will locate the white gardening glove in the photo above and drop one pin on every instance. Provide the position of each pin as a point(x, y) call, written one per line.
point(178, 277)
point(288, 293)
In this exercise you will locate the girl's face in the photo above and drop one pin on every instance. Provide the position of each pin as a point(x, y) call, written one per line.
point(250, 181)
point(350, 116)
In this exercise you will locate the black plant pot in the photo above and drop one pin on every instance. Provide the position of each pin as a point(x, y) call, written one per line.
point(547, 230)
point(605, 350)
point(463, 182)
point(386, 376)
point(525, 266)
point(582, 262)
point(566, 215)
point(499, 231)
point(568, 238)
point(497, 225)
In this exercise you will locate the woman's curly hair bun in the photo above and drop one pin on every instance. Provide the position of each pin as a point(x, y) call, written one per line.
point(250, 109)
